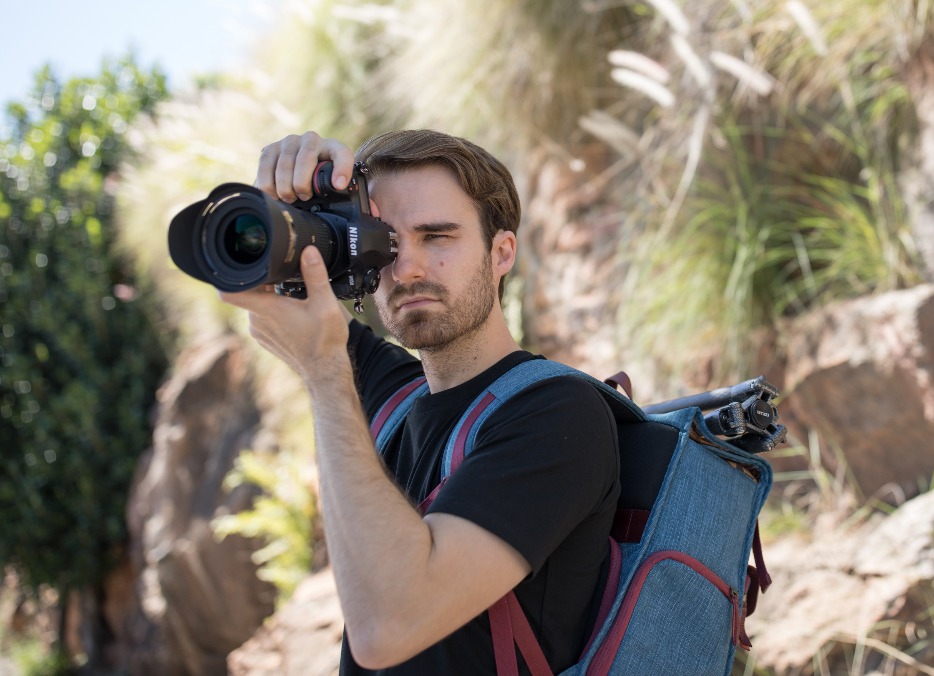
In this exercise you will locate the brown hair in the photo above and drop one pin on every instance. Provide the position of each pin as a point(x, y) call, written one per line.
point(482, 177)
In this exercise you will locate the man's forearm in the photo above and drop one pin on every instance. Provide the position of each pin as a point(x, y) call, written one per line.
point(378, 543)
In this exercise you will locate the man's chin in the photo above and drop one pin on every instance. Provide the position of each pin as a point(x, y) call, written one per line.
point(418, 330)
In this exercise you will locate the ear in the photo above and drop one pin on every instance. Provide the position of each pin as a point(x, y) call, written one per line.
point(503, 252)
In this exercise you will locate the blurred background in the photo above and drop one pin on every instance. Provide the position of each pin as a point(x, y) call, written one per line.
point(712, 190)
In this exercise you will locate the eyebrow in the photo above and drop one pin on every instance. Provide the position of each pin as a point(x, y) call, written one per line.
point(436, 227)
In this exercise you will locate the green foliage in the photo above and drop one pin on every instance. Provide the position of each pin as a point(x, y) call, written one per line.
point(283, 515)
point(80, 359)
point(33, 659)
point(794, 203)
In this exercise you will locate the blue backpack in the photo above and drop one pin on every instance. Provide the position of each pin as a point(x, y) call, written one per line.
point(679, 585)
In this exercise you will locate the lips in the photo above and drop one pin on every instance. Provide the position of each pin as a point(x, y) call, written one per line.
point(413, 302)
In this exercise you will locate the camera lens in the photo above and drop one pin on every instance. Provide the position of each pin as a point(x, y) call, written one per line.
point(239, 238)
point(245, 239)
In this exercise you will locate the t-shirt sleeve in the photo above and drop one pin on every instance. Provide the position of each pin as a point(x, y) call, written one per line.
point(545, 461)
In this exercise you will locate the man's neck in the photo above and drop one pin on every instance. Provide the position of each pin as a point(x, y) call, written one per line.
point(470, 355)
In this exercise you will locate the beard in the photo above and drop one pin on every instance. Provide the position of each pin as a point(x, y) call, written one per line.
point(428, 330)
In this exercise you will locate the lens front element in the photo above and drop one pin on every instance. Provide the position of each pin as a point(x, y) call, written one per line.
point(245, 239)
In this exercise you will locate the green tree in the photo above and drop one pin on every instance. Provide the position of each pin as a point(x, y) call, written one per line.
point(80, 359)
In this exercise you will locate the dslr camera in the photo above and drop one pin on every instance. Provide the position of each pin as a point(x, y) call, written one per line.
point(239, 238)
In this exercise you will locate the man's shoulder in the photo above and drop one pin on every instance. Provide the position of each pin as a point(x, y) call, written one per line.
point(553, 380)
point(562, 397)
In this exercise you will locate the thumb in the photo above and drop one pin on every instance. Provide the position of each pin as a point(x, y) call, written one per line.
point(314, 271)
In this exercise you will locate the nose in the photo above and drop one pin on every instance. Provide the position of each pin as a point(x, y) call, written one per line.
point(409, 264)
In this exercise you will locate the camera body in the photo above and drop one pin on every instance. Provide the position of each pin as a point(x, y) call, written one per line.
point(239, 238)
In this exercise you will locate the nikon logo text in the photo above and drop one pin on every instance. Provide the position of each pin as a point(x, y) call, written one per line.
point(352, 240)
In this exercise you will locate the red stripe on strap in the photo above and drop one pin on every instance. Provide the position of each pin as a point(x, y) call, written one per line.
point(609, 591)
point(765, 580)
point(457, 457)
point(510, 627)
point(392, 404)
point(501, 629)
point(525, 639)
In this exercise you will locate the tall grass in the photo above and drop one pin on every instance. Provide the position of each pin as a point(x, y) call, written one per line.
point(795, 201)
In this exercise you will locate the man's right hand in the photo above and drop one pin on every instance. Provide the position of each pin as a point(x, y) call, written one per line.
point(286, 166)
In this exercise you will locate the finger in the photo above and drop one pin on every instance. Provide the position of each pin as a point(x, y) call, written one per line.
point(289, 148)
point(266, 170)
point(343, 159)
point(314, 271)
point(312, 152)
point(307, 156)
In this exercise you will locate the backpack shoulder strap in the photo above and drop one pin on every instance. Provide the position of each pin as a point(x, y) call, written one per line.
point(518, 378)
point(393, 411)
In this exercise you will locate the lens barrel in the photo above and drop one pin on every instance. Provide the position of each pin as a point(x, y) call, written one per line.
point(239, 238)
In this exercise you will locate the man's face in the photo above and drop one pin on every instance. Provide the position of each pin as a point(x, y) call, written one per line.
point(441, 286)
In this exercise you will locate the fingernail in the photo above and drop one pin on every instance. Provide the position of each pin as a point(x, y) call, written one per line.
point(340, 182)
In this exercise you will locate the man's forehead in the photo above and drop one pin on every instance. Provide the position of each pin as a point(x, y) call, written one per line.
point(393, 175)
point(425, 193)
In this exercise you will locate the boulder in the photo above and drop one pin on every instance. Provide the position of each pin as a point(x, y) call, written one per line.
point(185, 599)
point(860, 598)
point(860, 374)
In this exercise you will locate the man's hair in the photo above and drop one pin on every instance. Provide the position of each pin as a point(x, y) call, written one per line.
point(484, 178)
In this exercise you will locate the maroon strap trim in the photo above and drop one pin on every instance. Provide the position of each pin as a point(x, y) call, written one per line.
point(621, 380)
point(609, 592)
point(457, 455)
point(504, 651)
point(426, 503)
point(526, 640)
point(509, 626)
point(752, 590)
point(765, 580)
point(392, 404)
point(628, 524)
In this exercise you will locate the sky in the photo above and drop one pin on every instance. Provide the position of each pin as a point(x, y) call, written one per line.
point(183, 36)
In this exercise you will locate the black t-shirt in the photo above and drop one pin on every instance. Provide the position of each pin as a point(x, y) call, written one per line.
point(542, 475)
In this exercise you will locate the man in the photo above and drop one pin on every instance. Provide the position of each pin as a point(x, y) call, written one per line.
point(531, 506)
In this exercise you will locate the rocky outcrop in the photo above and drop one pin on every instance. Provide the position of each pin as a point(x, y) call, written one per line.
point(185, 599)
point(861, 374)
point(860, 594)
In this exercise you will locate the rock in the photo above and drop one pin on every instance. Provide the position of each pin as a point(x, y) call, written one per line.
point(186, 599)
point(868, 587)
point(302, 639)
point(860, 373)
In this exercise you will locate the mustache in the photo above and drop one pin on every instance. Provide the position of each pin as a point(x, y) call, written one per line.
point(425, 288)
